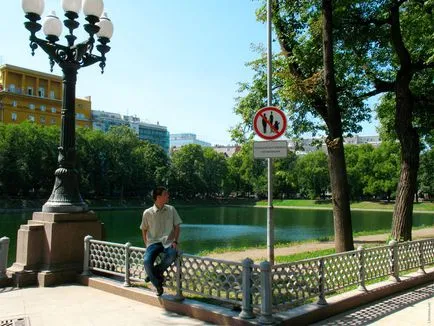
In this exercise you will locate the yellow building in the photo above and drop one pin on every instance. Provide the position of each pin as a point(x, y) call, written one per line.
point(29, 95)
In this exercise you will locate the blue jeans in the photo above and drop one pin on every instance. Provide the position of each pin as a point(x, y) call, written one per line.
point(155, 273)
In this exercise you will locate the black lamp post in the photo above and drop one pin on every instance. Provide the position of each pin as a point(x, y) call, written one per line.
point(66, 197)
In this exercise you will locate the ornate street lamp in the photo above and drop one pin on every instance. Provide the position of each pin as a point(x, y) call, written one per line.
point(66, 197)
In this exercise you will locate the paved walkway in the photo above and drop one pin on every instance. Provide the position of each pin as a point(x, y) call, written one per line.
point(414, 307)
point(78, 305)
point(81, 306)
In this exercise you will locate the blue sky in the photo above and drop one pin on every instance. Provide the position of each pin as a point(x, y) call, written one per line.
point(177, 62)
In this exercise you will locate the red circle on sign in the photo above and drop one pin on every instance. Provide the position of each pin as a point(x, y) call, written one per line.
point(279, 132)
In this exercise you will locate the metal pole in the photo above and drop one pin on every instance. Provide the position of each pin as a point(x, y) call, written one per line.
point(270, 224)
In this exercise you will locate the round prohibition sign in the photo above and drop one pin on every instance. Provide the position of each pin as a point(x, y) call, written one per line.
point(269, 123)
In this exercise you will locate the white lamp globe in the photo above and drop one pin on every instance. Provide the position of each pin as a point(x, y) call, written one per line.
point(52, 25)
point(105, 27)
point(71, 5)
point(33, 6)
point(93, 7)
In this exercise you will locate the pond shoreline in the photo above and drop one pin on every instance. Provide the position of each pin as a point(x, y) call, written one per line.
point(260, 254)
point(102, 208)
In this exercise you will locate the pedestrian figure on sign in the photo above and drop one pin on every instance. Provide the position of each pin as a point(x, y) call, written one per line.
point(271, 118)
point(276, 126)
point(160, 231)
point(264, 123)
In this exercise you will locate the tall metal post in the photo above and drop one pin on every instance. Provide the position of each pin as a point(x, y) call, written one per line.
point(270, 223)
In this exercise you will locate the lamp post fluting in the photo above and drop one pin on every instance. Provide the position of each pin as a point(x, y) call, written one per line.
point(65, 197)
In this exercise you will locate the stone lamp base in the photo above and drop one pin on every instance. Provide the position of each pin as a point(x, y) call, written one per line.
point(50, 248)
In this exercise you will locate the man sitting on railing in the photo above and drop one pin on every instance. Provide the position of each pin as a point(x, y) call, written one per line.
point(160, 231)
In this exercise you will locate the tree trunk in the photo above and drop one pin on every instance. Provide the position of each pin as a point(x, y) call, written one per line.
point(410, 147)
point(407, 135)
point(335, 148)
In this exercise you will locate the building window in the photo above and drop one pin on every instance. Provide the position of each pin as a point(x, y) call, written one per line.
point(14, 104)
point(42, 107)
point(29, 90)
point(52, 94)
point(42, 119)
point(41, 92)
point(31, 106)
point(14, 116)
point(53, 110)
point(53, 121)
point(31, 118)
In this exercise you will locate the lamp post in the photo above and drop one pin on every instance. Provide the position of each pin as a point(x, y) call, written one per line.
point(65, 197)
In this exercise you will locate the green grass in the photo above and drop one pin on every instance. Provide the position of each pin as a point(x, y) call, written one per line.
point(308, 203)
point(304, 255)
point(222, 250)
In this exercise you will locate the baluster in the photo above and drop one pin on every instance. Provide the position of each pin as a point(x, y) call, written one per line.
point(421, 259)
point(247, 309)
point(4, 250)
point(266, 294)
point(86, 269)
point(178, 263)
point(127, 265)
point(394, 260)
point(321, 286)
point(362, 286)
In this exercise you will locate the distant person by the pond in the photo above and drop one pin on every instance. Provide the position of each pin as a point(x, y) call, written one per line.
point(160, 230)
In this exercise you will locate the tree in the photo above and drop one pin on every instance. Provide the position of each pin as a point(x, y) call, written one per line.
point(313, 176)
point(383, 178)
point(121, 141)
point(215, 170)
point(285, 183)
point(299, 89)
point(426, 175)
point(93, 162)
point(187, 171)
point(396, 50)
point(359, 166)
point(152, 167)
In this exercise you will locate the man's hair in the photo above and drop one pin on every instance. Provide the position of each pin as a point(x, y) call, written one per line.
point(158, 191)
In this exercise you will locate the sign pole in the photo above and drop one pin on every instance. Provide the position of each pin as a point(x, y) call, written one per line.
point(270, 224)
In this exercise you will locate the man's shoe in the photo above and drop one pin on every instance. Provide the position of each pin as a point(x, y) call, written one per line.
point(147, 279)
point(160, 290)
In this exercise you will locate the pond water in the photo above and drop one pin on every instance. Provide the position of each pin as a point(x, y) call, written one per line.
point(212, 227)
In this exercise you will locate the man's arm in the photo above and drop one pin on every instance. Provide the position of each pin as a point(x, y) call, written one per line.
point(144, 235)
point(176, 232)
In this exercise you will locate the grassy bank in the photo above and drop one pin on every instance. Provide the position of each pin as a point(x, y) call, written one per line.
point(362, 205)
point(306, 254)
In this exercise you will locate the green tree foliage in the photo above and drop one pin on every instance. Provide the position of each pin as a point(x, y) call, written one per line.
point(359, 166)
point(93, 162)
point(215, 171)
point(152, 168)
point(426, 174)
point(197, 171)
point(187, 171)
point(285, 181)
point(122, 142)
point(112, 164)
point(385, 163)
point(312, 174)
point(26, 150)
